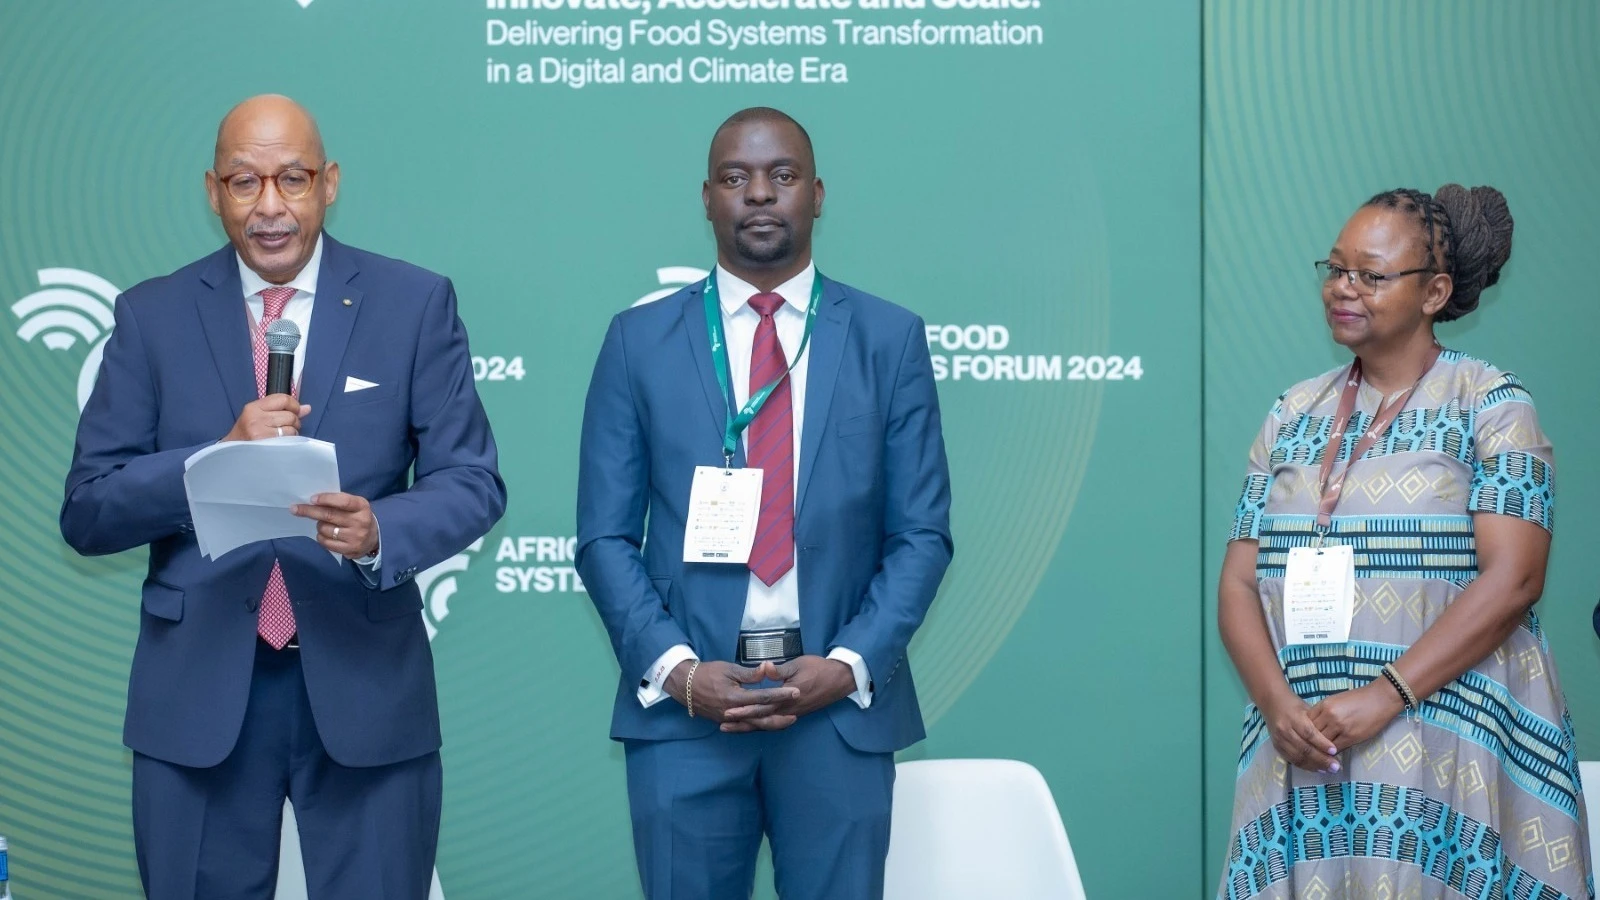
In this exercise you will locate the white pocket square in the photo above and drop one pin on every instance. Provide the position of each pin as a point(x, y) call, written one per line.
point(352, 383)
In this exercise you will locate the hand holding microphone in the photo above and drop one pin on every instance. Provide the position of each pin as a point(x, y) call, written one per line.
point(345, 521)
point(277, 414)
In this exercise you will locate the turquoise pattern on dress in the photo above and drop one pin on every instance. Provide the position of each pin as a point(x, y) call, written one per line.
point(1537, 755)
point(1442, 547)
point(1447, 430)
point(1378, 821)
point(1515, 484)
point(1252, 503)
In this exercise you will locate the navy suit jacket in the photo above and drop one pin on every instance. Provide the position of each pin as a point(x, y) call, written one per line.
point(177, 372)
point(872, 513)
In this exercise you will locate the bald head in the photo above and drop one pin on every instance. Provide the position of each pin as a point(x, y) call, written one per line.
point(271, 184)
point(268, 117)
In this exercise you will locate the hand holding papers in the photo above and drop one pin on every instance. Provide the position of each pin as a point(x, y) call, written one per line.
point(241, 491)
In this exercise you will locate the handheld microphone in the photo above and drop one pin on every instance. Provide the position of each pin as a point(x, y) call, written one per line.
point(283, 337)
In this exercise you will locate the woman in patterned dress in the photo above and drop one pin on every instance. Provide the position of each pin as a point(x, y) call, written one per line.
point(1430, 755)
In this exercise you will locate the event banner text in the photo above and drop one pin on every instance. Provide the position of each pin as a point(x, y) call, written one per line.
point(589, 43)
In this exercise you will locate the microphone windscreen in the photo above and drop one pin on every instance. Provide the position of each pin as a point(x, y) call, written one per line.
point(283, 336)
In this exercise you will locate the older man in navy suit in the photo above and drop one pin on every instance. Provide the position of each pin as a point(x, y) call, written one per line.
point(279, 669)
point(766, 693)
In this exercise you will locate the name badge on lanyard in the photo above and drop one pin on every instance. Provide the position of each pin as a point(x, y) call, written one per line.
point(1319, 581)
point(724, 505)
point(1319, 590)
point(724, 502)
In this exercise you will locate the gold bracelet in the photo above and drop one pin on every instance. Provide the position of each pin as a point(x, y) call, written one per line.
point(1407, 697)
point(688, 688)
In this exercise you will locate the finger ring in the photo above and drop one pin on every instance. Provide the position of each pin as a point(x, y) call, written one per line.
point(280, 431)
point(336, 532)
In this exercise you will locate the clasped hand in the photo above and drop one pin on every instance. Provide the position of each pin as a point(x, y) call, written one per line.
point(722, 693)
point(1312, 737)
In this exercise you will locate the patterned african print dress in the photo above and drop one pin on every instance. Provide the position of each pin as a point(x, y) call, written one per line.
point(1476, 795)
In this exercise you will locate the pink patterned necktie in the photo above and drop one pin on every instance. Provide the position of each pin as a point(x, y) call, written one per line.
point(276, 622)
point(770, 447)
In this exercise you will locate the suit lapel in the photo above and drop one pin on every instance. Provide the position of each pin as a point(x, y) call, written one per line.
point(226, 322)
point(822, 375)
point(333, 318)
point(694, 324)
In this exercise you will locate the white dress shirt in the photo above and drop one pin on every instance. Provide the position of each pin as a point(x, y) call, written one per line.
point(778, 605)
point(298, 311)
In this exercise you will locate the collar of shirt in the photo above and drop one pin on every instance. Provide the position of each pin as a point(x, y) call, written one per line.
point(735, 293)
point(305, 283)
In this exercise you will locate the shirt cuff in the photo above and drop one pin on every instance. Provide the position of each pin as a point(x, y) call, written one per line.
point(863, 694)
point(374, 559)
point(368, 565)
point(652, 686)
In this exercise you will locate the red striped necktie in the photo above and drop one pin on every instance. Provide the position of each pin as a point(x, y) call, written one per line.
point(769, 446)
point(275, 623)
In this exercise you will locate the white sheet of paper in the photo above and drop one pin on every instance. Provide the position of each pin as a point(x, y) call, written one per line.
point(240, 491)
point(1319, 587)
point(724, 505)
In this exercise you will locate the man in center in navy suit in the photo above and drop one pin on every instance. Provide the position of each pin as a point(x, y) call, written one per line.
point(765, 693)
point(281, 669)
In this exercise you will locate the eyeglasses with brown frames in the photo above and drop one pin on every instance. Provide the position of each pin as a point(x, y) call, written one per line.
point(292, 184)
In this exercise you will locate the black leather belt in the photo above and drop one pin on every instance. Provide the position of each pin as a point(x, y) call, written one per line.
point(777, 646)
point(294, 644)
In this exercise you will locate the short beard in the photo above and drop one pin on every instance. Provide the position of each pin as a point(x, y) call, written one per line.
point(781, 249)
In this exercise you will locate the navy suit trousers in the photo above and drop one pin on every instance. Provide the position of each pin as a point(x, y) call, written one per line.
point(701, 805)
point(212, 834)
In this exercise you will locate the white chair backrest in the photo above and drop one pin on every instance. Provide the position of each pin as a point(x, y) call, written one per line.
point(1589, 773)
point(977, 829)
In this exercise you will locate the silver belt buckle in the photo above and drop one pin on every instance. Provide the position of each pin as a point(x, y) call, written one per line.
point(777, 645)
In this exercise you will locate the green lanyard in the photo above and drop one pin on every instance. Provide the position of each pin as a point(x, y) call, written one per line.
point(736, 424)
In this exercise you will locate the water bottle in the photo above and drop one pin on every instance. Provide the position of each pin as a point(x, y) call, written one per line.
point(5, 873)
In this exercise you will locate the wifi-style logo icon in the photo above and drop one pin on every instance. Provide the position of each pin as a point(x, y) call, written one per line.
point(674, 277)
point(438, 585)
point(71, 305)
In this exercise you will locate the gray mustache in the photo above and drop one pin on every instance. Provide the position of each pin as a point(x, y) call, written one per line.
point(271, 228)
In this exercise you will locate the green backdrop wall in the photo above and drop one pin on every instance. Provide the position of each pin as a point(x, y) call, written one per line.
point(1026, 175)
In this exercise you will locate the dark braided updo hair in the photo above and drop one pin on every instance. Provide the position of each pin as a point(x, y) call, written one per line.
point(1467, 233)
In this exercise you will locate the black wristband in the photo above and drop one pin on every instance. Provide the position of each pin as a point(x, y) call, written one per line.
point(1407, 698)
